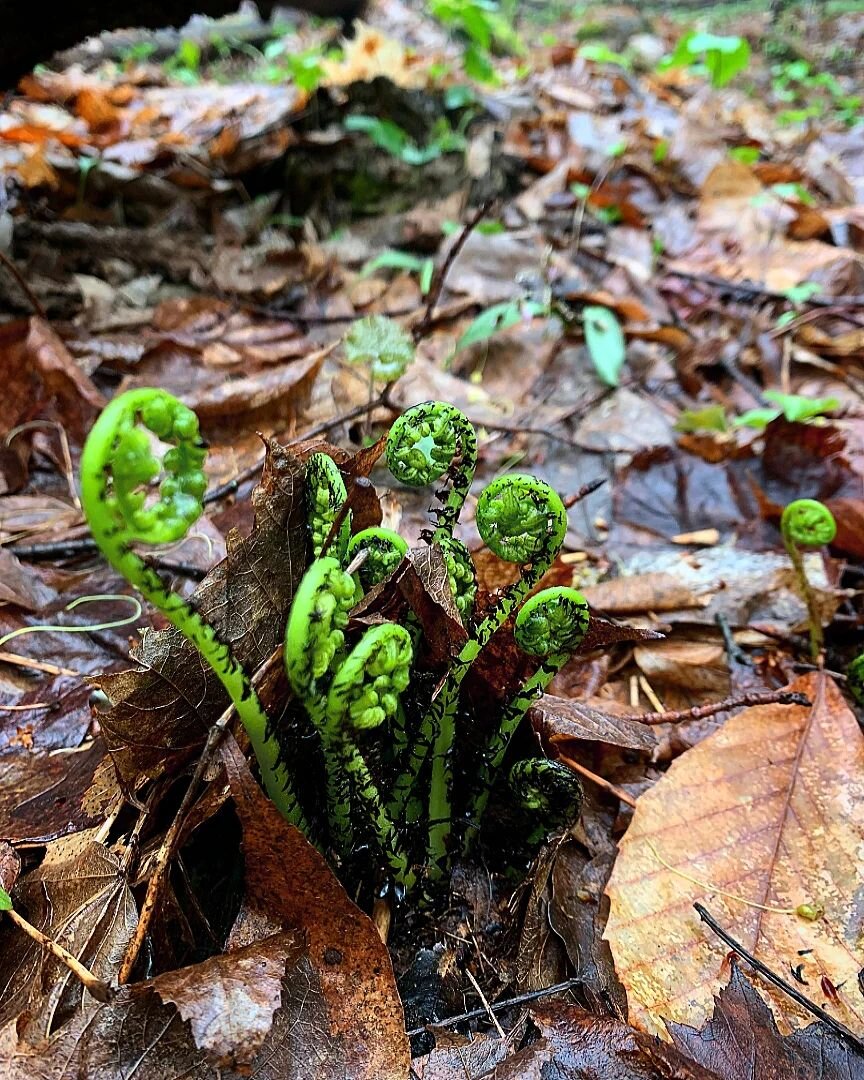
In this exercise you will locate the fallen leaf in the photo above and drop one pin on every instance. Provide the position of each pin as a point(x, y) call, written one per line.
point(769, 809)
point(357, 1028)
point(557, 720)
point(741, 1040)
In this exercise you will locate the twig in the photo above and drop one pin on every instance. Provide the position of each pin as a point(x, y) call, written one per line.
point(437, 286)
point(231, 486)
point(775, 980)
point(35, 302)
point(496, 1007)
point(750, 289)
point(97, 987)
point(168, 847)
point(600, 781)
point(36, 665)
point(485, 1003)
point(699, 712)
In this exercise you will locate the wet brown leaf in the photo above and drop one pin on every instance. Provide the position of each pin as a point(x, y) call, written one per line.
point(768, 809)
point(356, 1026)
point(79, 897)
point(557, 720)
point(741, 1041)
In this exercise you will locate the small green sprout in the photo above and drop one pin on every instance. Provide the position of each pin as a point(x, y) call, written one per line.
point(807, 523)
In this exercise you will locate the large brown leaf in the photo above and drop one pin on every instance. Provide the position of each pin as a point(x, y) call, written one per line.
point(347, 1019)
point(164, 708)
point(770, 809)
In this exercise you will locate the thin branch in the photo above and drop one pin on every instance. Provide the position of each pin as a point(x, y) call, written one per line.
point(496, 1007)
point(437, 286)
point(775, 980)
point(24, 286)
point(699, 712)
point(601, 782)
point(97, 987)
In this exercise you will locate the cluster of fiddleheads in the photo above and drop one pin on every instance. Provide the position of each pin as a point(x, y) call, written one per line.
point(389, 777)
point(118, 468)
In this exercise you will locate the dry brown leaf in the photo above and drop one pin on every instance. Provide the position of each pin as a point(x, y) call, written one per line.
point(771, 809)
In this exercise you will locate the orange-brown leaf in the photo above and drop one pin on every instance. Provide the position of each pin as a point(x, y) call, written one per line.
point(770, 809)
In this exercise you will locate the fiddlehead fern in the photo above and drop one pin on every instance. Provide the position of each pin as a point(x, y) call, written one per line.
point(548, 788)
point(855, 678)
point(551, 624)
point(325, 497)
point(384, 549)
point(807, 523)
point(365, 694)
point(314, 644)
point(117, 468)
point(522, 520)
point(460, 574)
point(342, 695)
point(426, 442)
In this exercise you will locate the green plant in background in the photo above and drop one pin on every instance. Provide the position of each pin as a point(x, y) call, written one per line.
point(795, 408)
point(185, 64)
point(807, 523)
point(605, 342)
point(381, 345)
point(391, 259)
point(486, 28)
point(118, 467)
point(395, 140)
point(723, 57)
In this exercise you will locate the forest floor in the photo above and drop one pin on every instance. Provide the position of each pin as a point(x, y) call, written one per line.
point(631, 251)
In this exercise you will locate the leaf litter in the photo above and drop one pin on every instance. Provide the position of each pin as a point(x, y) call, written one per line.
point(655, 254)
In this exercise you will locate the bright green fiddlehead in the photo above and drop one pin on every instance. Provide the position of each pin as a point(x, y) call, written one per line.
point(855, 678)
point(325, 496)
point(428, 441)
point(551, 624)
point(807, 523)
point(549, 788)
point(365, 694)
point(117, 468)
point(384, 549)
point(522, 520)
point(314, 645)
point(460, 574)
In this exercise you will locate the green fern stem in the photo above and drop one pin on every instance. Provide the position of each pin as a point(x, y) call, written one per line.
point(117, 468)
point(551, 624)
point(522, 520)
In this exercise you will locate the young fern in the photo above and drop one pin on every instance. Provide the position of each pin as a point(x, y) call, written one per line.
point(461, 575)
point(343, 695)
point(325, 497)
point(314, 645)
point(384, 549)
point(522, 520)
point(807, 523)
point(365, 694)
point(117, 469)
point(551, 624)
point(428, 441)
point(548, 788)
